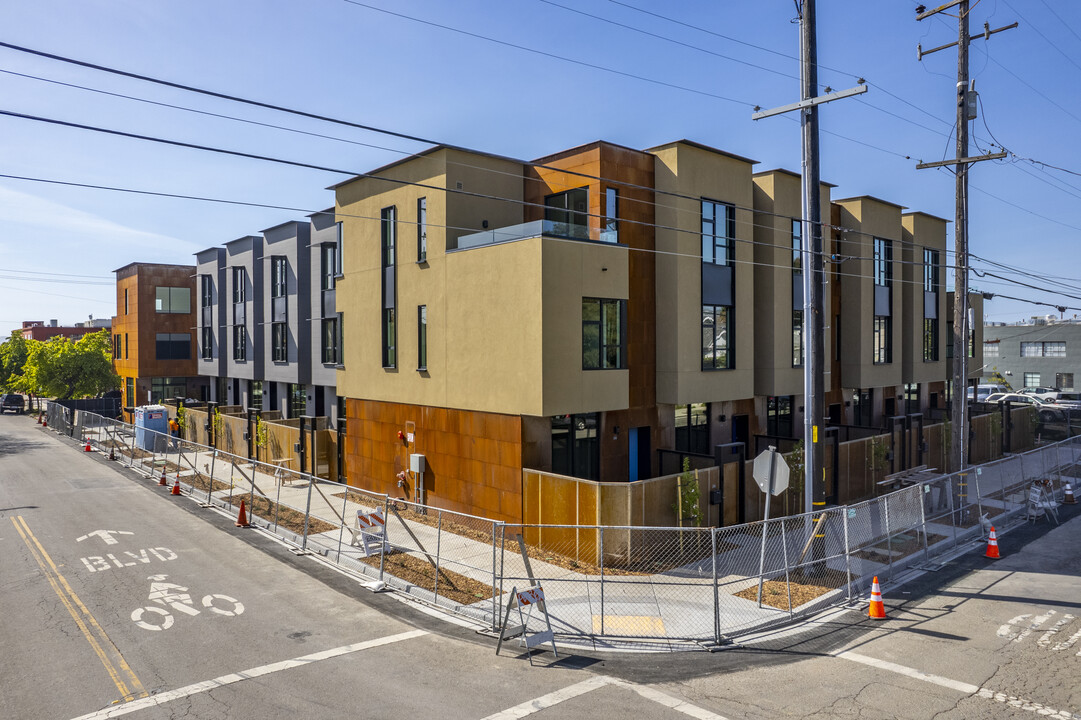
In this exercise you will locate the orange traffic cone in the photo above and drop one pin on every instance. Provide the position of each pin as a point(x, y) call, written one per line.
point(112, 453)
point(162, 482)
point(992, 545)
point(176, 487)
point(88, 448)
point(876, 611)
point(39, 417)
point(45, 422)
point(242, 517)
point(1068, 498)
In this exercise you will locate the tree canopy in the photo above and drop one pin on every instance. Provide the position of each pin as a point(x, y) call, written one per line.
point(60, 367)
point(13, 353)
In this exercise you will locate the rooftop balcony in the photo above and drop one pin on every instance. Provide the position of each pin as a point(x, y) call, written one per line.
point(537, 228)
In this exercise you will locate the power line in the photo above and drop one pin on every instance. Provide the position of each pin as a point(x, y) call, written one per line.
point(1048, 40)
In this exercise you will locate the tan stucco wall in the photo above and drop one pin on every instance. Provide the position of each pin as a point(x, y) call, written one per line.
point(696, 172)
point(921, 231)
point(865, 218)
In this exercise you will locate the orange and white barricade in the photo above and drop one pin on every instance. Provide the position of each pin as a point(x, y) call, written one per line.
point(369, 532)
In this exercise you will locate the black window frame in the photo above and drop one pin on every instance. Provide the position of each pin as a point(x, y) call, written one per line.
point(240, 282)
point(422, 337)
point(711, 240)
point(328, 342)
point(172, 346)
point(206, 291)
point(207, 349)
point(608, 354)
point(328, 269)
point(279, 342)
point(240, 343)
point(729, 349)
point(422, 230)
point(279, 276)
point(388, 231)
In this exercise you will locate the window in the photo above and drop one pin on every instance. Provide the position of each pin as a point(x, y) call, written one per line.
point(172, 346)
point(1043, 349)
point(208, 343)
point(125, 346)
point(277, 276)
point(1032, 379)
point(797, 246)
point(338, 252)
point(125, 301)
point(692, 428)
point(883, 270)
point(718, 232)
point(779, 416)
point(882, 341)
point(163, 387)
point(390, 335)
point(298, 400)
point(172, 300)
point(566, 214)
point(330, 341)
point(797, 338)
point(116, 346)
point(422, 337)
point(717, 337)
point(341, 340)
point(930, 339)
point(610, 231)
point(930, 271)
point(931, 288)
point(990, 348)
point(1064, 381)
point(912, 398)
point(206, 291)
point(328, 258)
point(603, 331)
point(239, 281)
point(575, 446)
point(255, 394)
point(279, 342)
point(240, 342)
point(388, 230)
point(129, 392)
point(422, 230)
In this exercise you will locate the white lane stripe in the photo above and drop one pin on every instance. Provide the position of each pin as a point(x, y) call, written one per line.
point(669, 701)
point(553, 698)
point(572, 691)
point(964, 687)
point(206, 685)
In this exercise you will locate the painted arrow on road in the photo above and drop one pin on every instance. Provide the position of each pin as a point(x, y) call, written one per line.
point(106, 535)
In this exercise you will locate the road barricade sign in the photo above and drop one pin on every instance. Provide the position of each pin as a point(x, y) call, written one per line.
point(369, 532)
point(532, 597)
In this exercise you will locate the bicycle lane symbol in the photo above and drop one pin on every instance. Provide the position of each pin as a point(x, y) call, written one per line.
point(176, 597)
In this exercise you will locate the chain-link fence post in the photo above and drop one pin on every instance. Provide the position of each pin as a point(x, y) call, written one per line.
point(600, 554)
point(979, 500)
point(308, 514)
point(502, 560)
point(495, 602)
point(787, 580)
point(438, 549)
point(386, 535)
point(716, 590)
point(848, 558)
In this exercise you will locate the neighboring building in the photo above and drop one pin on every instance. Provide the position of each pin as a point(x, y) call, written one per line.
point(1043, 353)
point(38, 330)
point(153, 352)
point(269, 335)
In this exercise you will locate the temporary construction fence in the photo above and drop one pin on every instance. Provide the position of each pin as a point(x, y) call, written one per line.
point(602, 584)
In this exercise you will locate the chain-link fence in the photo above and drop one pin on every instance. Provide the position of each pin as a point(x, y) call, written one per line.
point(603, 584)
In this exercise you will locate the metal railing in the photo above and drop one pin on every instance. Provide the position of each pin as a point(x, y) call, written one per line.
point(602, 583)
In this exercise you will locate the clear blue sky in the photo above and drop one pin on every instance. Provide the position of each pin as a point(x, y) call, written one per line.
point(59, 245)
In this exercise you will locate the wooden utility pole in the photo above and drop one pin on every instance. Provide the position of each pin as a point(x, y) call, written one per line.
point(966, 111)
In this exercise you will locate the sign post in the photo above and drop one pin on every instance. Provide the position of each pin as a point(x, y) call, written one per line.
point(771, 474)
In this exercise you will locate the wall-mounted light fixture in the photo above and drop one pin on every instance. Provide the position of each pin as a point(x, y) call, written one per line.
point(721, 418)
point(615, 433)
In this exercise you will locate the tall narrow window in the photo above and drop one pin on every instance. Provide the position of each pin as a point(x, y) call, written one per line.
point(422, 337)
point(208, 343)
point(717, 338)
point(277, 276)
point(882, 327)
point(206, 291)
point(116, 346)
point(388, 231)
point(240, 342)
point(239, 279)
point(330, 341)
point(422, 230)
point(338, 246)
point(718, 232)
point(125, 301)
point(797, 293)
point(603, 334)
point(931, 289)
point(279, 341)
point(610, 232)
point(328, 259)
point(125, 346)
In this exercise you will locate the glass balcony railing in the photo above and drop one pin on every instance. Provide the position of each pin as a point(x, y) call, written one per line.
point(549, 228)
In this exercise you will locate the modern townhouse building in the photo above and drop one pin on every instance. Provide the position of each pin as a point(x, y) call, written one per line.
point(269, 332)
point(924, 367)
point(153, 352)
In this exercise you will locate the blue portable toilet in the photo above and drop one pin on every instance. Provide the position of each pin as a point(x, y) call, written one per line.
point(153, 418)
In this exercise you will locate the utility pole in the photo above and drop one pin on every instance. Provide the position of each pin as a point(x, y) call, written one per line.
point(966, 111)
point(814, 486)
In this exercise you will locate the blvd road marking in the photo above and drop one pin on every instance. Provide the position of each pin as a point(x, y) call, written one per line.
point(572, 691)
point(97, 563)
point(963, 687)
point(1009, 630)
point(208, 685)
point(106, 535)
point(90, 628)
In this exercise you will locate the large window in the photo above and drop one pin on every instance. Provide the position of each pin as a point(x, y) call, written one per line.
point(575, 446)
point(240, 342)
point(277, 276)
point(797, 281)
point(883, 268)
point(206, 291)
point(610, 231)
point(422, 337)
point(330, 341)
point(298, 400)
point(930, 339)
point(174, 300)
point(255, 394)
point(692, 428)
point(882, 339)
point(279, 342)
point(1032, 379)
point(422, 230)
point(389, 232)
point(129, 392)
point(328, 262)
point(717, 353)
point(116, 346)
point(567, 214)
point(990, 348)
point(931, 286)
point(718, 232)
point(779, 416)
point(1043, 349)
point(239, 282)
point(208, 343)
point(882, 329)
point(603, 334)
point(172, 346)
point(1064, 381)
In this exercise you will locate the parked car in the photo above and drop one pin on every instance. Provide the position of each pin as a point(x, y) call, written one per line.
point(13, 402)
point(1044, 393)
point(980, 392)
point(1019, 398)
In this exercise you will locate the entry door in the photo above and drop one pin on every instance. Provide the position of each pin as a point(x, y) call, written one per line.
point(741, 430)
point(638, 454)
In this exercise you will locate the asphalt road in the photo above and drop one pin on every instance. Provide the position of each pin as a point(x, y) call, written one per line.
point(117, 599)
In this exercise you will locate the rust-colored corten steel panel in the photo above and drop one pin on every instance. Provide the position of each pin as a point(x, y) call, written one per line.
point(473, 459)
point(141, 323)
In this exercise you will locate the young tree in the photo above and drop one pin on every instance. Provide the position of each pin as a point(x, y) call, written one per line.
point(65, 369)
point(12, 360)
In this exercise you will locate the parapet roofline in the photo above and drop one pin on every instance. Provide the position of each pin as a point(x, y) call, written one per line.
point(869, 197)
point(579, 149)
point(927, 215)
point(784, 171)
point(701, 146)
point(241, 239)
point(423, 153)
point(149, 264)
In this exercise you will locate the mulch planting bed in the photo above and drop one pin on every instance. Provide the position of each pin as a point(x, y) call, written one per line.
point(288, 518)
point(804, 588)
point(418, 571)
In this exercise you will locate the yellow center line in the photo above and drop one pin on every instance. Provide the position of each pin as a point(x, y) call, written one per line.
point(70, 600)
